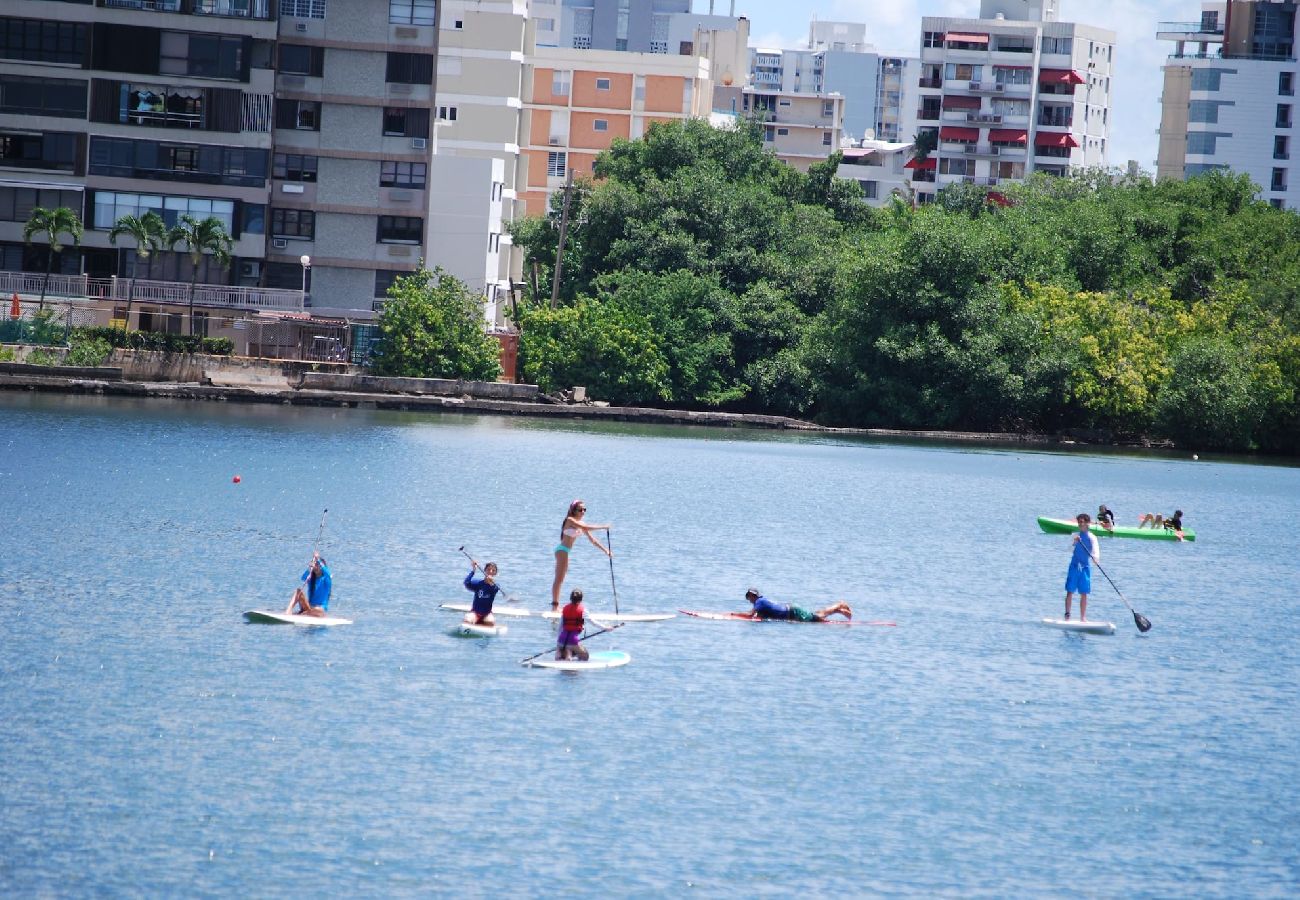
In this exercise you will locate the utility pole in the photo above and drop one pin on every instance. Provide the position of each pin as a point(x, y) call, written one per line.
point(559, 250)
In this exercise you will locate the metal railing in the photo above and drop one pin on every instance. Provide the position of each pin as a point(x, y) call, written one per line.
point(220, 295)
point(1187, 28)
point(31, 283)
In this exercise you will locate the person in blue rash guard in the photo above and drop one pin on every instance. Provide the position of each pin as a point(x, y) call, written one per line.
point(315, 599)
point(1079, 576)
point(766, 609)
point(485, 594)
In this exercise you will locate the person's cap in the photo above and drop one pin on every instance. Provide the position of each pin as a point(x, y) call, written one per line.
point(753, 592)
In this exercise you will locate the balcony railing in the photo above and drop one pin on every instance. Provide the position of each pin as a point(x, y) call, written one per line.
point(1187, 28)
point(986, 87)
point(931, 82)
point(29, 284)
point(176, 292)
point(234, 9)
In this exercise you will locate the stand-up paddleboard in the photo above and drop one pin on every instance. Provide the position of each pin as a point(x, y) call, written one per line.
point(471, 630)
point(1084, 627)
point(741, 617)
point(617, 617)
point(269, 617)
point(1069, 526)
point(496, 610)
point(599, 659)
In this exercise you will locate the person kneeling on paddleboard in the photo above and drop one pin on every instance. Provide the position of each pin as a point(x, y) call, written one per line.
point(573, 618)
point(1079, 577)
point(485, 594)
point(315, 600)
point(766, 609)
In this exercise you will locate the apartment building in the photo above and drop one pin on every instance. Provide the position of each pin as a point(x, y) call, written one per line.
point(879, 168)
point(641, 26)
point(579, 101)
point(131, 106)
point(1013, 92)
point(800, 128)
point(1229, 96)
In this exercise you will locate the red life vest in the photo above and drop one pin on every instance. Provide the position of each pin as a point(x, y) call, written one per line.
point(571, 617)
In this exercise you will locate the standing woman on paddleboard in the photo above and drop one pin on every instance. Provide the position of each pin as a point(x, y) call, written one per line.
point(569, 531)
point(1079, 576)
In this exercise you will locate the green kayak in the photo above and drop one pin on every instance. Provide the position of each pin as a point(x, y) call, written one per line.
point(1068, 526)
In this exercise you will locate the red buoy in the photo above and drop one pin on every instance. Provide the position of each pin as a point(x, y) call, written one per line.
point(236, 479)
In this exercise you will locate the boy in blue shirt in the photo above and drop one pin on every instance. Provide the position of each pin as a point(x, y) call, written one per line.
point(315, 600)
point(766, 609)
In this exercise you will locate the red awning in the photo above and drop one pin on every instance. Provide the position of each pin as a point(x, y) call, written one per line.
point(957, 133)
point(922, 164)
point(957, 102)
point(1008, 135)
point(1059, 76)
point(1054, 139)
point(963, 37)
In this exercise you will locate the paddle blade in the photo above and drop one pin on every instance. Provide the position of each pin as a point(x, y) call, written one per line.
point(1142, 622)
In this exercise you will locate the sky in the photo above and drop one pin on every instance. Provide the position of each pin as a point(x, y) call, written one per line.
point(895, 26)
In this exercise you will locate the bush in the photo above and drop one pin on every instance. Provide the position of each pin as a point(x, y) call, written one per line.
point(157, 340)
point(42, 358)
point(87, 351)
point(432, 327)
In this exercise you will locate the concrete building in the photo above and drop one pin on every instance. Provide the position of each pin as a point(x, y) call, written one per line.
point(641, 26)
point(799, 128)
point(1013, 92)
point(1229, 96)
point(879, 168)
point(578, 101)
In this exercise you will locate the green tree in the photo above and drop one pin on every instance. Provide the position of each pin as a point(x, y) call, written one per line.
point(148, 231)
point(200, 236)
point(51, 223)
point(432, 326)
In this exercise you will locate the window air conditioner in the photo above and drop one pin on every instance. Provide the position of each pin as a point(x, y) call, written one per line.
point(279, 243)
point(419, 143)
point(555, 142)
point(299, 26)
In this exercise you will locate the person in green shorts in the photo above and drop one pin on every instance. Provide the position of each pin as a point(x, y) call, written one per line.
point(764, 608)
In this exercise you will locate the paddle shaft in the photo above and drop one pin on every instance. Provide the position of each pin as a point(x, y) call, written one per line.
point(315, 549)
point(510, 598)
point(580, 640)
point(1141, 621)
point(609, 545)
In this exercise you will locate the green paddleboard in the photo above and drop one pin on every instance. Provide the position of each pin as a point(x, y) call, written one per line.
point(1069, 526)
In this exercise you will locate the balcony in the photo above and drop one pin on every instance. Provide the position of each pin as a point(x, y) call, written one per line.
point(985, 118)
point(931, 82)
point(985, 87)
point(231, 9)
point(927, 115)
point(1188, 31)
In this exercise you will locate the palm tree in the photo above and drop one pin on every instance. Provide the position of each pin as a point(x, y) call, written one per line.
point(148, 231)
point(201, 236)
point(52, 223)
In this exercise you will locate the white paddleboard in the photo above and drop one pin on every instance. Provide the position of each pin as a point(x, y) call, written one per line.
point(600, 659)
point(1088, 627)
point(618, 617)
point(496, 610)
point(269, 617)
point(467, 629)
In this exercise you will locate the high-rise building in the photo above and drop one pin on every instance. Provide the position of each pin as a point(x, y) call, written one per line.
point(800, 128)
point(1229, 95)
point(1013, 92)
point(642, 26)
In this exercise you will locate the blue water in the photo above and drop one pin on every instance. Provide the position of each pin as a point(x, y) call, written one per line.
point(153, 744)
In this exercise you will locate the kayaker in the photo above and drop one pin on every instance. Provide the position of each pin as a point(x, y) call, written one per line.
point(1174, 523)
point(1079, 576)
point(764, 608)
point(572, 527)
point(573, 619)
point(1105, 518)
point(315, 600)
point(485, 594)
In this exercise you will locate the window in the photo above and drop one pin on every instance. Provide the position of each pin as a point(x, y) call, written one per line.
point(298, 224)
point(555, 164)
point(494, 243)
point(545, 24)
point(403, 174)
point(600, 125)
point(202, 55)
point(1206, 79)
point(303, 115)
point(956, 166)
point(17, 203)
point(384, 279)
point(782, 132)
point(826, 138)
point(828, 108)
point(560, 83)
point(253, 218)
point(1010, 75)
point(1283, 115)
point(1286, 84)
point(296, 59)
point(1276, 202)
point(294, 167)
point(769, 134)
point(932, 39)
point(582, 42)
point(411, 12)
point(62, 97)
point(54, 150)
point(1202, 142)
point(1281, 147)
point(783, 102)
point(303, 9)
point(602, 84)
point(962, 72)
point(402, 122)
point(1058, 116)
point(410, 68)
point(111, 206)
point(447, 113)
point(458, 25)
point(40, 41)
point(1279, 180)
point(870, 189)
point(400, 230)
point(1063, 45)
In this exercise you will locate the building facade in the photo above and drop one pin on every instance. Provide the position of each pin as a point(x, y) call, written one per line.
point(1229, 96)
point(800, 128)
point(1003, 97)
point(641, 26)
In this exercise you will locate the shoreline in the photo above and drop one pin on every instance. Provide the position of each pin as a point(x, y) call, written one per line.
point(401, 402)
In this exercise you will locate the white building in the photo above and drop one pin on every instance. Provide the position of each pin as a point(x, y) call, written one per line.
point(1229, 96)
point(879, 168)
point(1011, 93)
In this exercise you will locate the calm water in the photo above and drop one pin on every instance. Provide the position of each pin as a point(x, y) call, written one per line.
point(152, 744)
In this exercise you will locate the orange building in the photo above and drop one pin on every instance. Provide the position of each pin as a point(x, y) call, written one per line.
point(578, 101)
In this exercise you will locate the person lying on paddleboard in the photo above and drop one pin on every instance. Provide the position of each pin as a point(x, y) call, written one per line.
point(1079, 576)
point(315, 600)
point(485, 594)
point(1105, 517)
point(569, 531)
point(766, 609)
point(1172, 523)
point(573, 618)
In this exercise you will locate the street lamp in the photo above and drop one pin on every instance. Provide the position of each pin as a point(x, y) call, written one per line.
point(306, 265)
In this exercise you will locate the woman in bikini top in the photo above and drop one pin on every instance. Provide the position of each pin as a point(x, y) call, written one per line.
point(570, 530)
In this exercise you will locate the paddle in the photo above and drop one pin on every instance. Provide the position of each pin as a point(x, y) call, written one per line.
point(288, 610)
point(580, 640)
point(1142, 622)
point(609, 543)
point(510, 598)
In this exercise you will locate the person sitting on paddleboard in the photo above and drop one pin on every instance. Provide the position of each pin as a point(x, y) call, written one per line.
point(315, 600)
point(1174, 523)
point(1079, 576)
point(569, 531)
point(766, 609)
point(485, 594)
point(1105, 518)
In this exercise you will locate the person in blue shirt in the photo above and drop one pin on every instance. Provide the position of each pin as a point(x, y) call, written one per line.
point(766, 609)
point(312, 598)
point(485, 594)
point(1078, 577)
